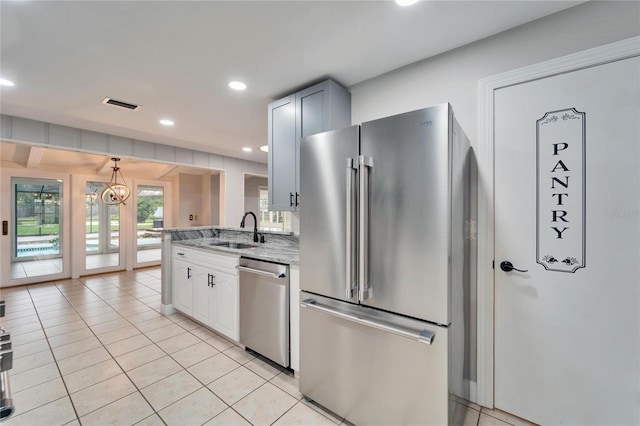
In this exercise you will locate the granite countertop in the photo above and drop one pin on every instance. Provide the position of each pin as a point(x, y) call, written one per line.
point(276, 251)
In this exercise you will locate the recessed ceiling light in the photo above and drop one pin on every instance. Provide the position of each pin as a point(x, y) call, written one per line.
point(264, 148)
point(165, 122)
point(406, 2)
point(5, 82)
point(237, 85)
point(247, 149)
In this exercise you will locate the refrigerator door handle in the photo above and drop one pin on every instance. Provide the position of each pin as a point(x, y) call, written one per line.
point(423, 336)
point(351, 280)
point(365, 163)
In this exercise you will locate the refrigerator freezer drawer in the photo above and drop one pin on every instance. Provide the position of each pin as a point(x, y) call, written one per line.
point(373, 368)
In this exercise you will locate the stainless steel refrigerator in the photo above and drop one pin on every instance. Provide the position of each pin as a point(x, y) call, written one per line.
point(385, 312)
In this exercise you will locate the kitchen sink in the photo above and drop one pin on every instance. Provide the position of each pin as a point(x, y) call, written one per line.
point(232, 245)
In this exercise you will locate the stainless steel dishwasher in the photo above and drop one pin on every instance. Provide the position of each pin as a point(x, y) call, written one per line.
point(264, 308)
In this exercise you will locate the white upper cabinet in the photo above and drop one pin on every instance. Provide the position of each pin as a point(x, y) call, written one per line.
point(324, 106)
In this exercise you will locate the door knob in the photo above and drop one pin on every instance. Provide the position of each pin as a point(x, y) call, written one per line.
point(508, 266)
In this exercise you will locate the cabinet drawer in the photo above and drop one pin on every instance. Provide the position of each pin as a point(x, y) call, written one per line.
point(219, 262)
point(183, 253)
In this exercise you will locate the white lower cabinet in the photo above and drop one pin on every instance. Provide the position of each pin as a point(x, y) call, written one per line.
point(206, 287)
point(225, 305)
point(202, 295)
point(182, 276)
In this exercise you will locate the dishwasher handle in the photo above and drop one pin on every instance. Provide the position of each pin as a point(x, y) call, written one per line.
point(261, 272)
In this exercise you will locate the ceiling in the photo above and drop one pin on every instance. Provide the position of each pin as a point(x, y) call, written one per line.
point(175, 58)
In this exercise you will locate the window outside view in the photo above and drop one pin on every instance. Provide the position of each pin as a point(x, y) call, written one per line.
point(102, 229)
point(37, 218)
point(149, 214)
point(272, 220)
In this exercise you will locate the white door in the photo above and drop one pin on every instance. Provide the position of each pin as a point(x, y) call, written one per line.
point(567, 210)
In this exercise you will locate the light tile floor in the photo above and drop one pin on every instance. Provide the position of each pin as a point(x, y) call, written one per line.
point(38, 267)
point(96, 351)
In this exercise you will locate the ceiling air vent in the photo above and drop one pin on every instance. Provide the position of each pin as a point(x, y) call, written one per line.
point(120, 104)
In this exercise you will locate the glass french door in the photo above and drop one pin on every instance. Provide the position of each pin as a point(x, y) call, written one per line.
point(102, 229)
point(149, 215)
point(36, 243)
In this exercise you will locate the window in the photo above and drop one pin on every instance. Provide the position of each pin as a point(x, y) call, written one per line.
point(37, 218)
point(102, 229)
point(272, 220)
point(36, 234)
point(149, 214)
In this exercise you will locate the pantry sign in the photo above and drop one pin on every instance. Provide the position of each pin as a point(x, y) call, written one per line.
point(561, 208)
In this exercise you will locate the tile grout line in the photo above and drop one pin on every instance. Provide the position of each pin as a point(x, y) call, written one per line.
point(73, 306)
point(61, 376)
point(52, 354)
point(83, 319)
point(183, 369)
point(114, 360)
point(155, 344)
point(53, 285)
point(205, 385)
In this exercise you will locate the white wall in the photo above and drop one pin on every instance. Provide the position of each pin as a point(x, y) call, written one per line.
point(188, 200)
point(234, 171)
point(214, 216)
point(252, 186)
point(453, 76)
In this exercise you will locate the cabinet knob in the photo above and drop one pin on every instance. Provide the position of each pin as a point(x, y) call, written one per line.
point(291, 199)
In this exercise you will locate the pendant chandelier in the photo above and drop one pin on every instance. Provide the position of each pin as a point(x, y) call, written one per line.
point(115, 193)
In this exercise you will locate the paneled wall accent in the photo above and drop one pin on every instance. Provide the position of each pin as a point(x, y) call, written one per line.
point(17, 129)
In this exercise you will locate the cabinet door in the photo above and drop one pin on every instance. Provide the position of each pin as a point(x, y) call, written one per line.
point(282, 154)
point(225, 305)
point(312, 110)
point(182, 278)
point(312, 116)
point(203, 295)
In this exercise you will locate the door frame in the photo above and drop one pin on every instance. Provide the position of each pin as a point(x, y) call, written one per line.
point(6, 189)
point(132, 262)
point(624, 49)
point(79, 261)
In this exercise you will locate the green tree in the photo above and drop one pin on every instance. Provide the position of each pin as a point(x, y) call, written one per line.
point(147, 206)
